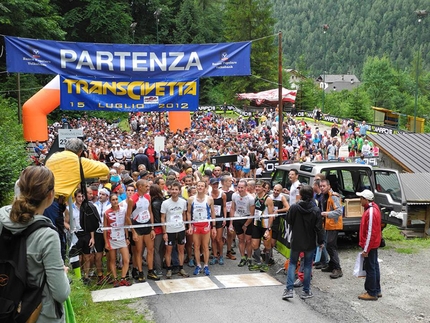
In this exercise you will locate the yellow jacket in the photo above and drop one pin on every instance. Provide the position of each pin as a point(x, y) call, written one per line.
point(65, 166)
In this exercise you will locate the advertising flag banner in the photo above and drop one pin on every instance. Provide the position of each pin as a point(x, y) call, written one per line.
point(125, 95)
point(190, 61)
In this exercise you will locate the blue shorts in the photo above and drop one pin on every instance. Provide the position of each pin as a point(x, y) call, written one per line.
point(246, 170)
point(238, 167)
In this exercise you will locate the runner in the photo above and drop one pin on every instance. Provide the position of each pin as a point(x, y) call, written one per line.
point(262, 227)
point(139, 208)
point(242, 206)
point(201, 209)
point(173, 216)
point(220, 213)
point(117, 238)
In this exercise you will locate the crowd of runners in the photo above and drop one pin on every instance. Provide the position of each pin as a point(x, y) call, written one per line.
point(184, 210)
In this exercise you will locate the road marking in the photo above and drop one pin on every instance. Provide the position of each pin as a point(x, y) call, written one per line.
point(249, 280)
point(183, 285)
point(124, 292)
point(186, 285)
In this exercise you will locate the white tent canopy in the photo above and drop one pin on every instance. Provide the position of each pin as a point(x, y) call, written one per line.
point(269, 96)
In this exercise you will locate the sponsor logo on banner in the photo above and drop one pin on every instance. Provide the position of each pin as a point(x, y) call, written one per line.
point(150, 99)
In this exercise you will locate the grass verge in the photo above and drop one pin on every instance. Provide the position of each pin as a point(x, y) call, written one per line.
point(88, 311)
point(395, 240)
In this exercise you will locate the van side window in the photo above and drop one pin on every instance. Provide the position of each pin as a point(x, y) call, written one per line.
point(278, 177)
point(387, 182)
point(348, 184)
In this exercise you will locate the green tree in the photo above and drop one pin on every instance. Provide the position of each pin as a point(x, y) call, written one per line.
point(379, 81)
point(12, 149)
point(254, 22)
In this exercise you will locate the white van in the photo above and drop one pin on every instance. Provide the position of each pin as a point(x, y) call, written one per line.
point(347, 179)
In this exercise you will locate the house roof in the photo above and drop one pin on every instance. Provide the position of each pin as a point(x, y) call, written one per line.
point(330, 78)
point(409, 150)
point(413, 187)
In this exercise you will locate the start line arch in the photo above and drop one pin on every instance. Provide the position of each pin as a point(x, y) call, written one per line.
point(36, 109)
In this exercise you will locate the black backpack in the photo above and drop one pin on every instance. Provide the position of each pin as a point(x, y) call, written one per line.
point(89, 217)
point(18, 300)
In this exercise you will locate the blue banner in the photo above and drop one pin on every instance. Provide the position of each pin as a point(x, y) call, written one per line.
point(125, 95)
point(24, 55)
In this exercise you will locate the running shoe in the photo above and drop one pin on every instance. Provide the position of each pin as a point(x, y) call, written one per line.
point(264, 268)
point(183, 273)
point(135, 273)
point(254, 267)
point(86, 281)
point(213, 261)
point(206, 270)
point(242, 262)
point(152, 275)
point(169, 274)
point(298, 283)
point(124, 282)
point(305, 295)
point(221, 261)
point(197, 271)
point(230, 256)
point(141, 278)
point(287, 294)
point(116, 283)
point(191, 263)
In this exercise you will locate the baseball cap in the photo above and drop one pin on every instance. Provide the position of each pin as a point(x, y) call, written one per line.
point(368, 195)
point(214, 181)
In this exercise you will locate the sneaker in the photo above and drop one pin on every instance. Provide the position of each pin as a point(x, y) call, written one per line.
point(116, 283)
point(206, 270)
point(183, 273)
point(169, 274)
point(213, 261)
point(337, 273)
point(135, 273)
point(191, 263)
point(242, 262)
point(152, 275)
point(221, 261)
point(124, 282)
point(86, 281)
point(249, 261)
point(264, 268)
point(287, 294)
point(305, 295)
point(327, 269)
point(271, 262)
point(232, 251)
point(254, 267)
point(141, 278)
point(101, 280)
point(230, 256)
point(367, 297)
point(298, 283)
point(92, 274)
point(175, 270)
point(320, 266)
point(197, 271)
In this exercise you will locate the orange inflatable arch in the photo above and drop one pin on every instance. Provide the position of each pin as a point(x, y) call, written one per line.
point(35, 113)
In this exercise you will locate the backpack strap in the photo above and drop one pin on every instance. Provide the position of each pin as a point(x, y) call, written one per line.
point(37, 225)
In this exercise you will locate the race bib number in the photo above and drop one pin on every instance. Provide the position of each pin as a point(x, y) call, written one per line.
point(217, 209)
point(117, 234)
point(241, 211)
point(199, 214)
point(142, 217)
point(177, 220)
point(228, 206)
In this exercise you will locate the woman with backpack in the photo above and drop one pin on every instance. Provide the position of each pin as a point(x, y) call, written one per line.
point(45, 267)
